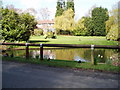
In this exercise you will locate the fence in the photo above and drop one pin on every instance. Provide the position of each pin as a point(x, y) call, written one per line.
point(62, 45)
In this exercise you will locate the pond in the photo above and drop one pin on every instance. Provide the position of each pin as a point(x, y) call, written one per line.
point(76, 54)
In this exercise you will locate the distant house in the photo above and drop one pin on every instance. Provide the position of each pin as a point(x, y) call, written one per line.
point(46, 25)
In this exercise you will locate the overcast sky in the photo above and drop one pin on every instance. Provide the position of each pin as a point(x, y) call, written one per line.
point(81, 6)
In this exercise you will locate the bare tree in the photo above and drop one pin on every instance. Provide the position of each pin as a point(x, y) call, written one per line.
point(32, 11)
point(11, 7)
point(44, 13)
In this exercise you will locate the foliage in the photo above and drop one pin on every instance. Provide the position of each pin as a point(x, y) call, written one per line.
point(65, 21)
point(16, 27)
point(109, 23)
point(84, 27)
point(50, 35)
point(70, 4)
point(65, 32)
point(58, 23)
point(113, 33)
point(80, 29)
point(38, 32)
point(60, 7)
point(92, 26)
point(68, 20)
point(99, 17)
point(88, 22)
point(112, 25)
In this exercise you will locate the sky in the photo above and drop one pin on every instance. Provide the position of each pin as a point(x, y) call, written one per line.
point(81, 6)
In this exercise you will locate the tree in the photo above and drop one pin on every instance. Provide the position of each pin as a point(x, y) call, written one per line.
point(88, 22)
point(68, 21)
point(60, 7)
point(65, 21)
point(16, 27)
point(80, 29)
point(27, 24)
point(113, 24)
point(70, 4)
point(11, 7)
point(109, 23)
point(99, 17)
point(89, 13)
point(45, 13)
point(58, 24)
point(113, 33)
point(31, 11)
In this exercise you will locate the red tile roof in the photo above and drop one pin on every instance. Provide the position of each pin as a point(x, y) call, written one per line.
point(45, 21)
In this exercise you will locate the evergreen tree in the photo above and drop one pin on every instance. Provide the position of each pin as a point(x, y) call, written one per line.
point(70, 4)
point(60, 7)
point(99, 17)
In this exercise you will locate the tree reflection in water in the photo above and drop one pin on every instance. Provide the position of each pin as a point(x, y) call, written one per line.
point(84, 54)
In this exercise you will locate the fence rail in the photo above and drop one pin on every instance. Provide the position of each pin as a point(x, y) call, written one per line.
point(65, 45)
point(62, 45)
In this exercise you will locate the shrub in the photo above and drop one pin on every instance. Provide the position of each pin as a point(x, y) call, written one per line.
point(38, 32)
point(50, 35)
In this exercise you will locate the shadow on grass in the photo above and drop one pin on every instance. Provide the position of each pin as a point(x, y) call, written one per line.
point(35, 41)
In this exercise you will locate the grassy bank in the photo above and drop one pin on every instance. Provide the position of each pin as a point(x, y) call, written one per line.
point(85, 40)
point(69, 64)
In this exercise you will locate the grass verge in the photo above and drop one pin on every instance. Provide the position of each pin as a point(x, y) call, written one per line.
point(68, 64)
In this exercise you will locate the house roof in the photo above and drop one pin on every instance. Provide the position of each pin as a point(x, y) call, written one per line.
point(45, 21)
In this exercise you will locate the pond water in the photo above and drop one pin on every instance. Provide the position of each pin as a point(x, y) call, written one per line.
point(76, 54)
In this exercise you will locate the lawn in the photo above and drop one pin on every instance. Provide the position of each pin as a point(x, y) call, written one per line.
point(84, 40)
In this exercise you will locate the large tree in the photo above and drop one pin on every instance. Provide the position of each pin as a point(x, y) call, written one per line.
point(99, 17)
point(60, 7)
point(70, 4)
point(16, 27)
point(113, 24)
point(65, 22)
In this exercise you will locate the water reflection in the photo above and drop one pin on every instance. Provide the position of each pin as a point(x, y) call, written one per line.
point(78, 58)
point(47, 54)
point(83, 54)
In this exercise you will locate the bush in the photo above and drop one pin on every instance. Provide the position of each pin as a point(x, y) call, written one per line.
point(15, 26)
point(79, 32)
point(65, 32)
point(38, 32)
point(50, 35)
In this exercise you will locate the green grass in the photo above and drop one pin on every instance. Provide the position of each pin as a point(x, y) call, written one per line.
point(85, 40)
point(68, 64)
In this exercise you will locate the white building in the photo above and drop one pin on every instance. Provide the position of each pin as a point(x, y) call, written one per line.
point(46, 25)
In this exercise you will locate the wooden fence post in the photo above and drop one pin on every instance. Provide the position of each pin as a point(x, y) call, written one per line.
point(92, 55)
point(27, 51)
point(41, 51)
